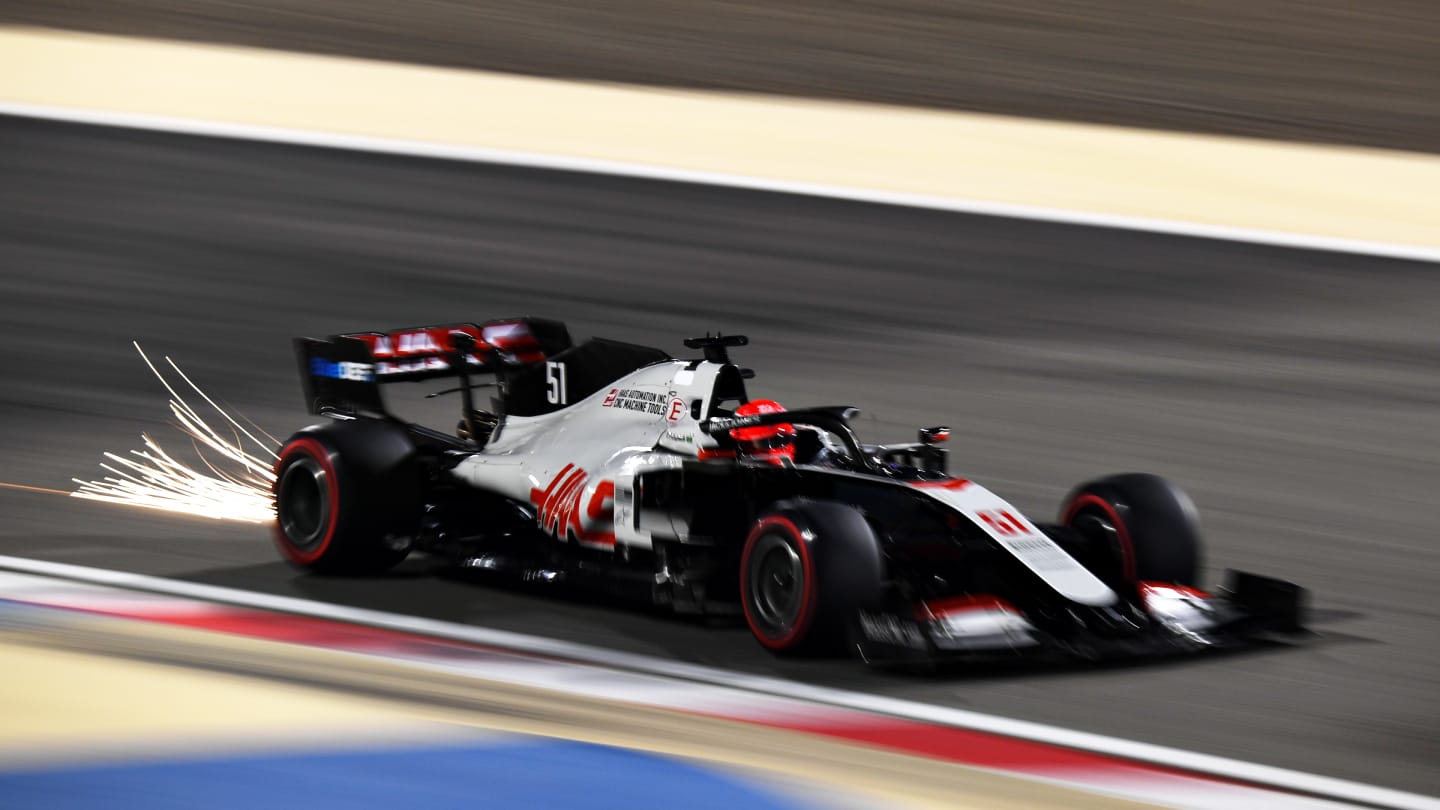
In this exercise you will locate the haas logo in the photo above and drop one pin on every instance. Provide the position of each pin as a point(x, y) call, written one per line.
point(558, 506)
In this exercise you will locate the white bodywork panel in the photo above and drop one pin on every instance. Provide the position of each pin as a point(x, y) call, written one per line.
point(1017, 535)
point(984, 628)
point(576, 467)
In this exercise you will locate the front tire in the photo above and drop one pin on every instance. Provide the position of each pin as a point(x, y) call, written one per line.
point(1136, 527)
point(807, 569)
point(342, 494)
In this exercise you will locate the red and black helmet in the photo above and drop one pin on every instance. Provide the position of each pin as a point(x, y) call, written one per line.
point(765, 442)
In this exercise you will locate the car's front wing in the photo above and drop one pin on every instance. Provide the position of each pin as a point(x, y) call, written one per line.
point(1179, 619)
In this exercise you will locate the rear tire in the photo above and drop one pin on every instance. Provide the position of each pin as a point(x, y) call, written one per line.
point(1136, 527)
point(807, 569)
point(342, 493)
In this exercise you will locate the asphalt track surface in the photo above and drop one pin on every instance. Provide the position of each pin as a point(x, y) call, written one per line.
point(1293, 394)
point(1333, 71)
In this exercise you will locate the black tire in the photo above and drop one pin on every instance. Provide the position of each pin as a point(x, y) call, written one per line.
point(340, 490)
point(1136, 527)
point(806, 570)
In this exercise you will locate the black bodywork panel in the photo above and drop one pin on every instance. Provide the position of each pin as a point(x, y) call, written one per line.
point(583, 369)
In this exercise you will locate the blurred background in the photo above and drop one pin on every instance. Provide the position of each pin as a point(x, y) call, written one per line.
point(1325, 70)
point(1293, 393)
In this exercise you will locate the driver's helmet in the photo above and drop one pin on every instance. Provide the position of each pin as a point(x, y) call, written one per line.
point(773, 443)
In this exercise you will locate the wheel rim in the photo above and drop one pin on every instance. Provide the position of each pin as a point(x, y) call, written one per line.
point(303, 503)
point(1099, 528)
point(776, 583)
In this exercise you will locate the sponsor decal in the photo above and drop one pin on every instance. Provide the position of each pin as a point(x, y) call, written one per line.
point(1039, 552)
point(351, 372)
point(557, 507)
point(1026, 543)
point(418, 364)
point(721, 424)
point(514, 342)
point(1002, 523)
point(677, 410)
point(415, 343)
point(418, 342)
point(623, 506)
point(651, 403)
point(426, 349)
point(1015, 534)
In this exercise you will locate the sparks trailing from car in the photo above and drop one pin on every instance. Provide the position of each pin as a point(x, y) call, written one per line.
point(618, 464)
point(232, 480)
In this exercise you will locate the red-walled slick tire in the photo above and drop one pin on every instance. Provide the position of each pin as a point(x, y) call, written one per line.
point(343, 494)
point(307, 502)
point(807, 569)
point(1136, 527)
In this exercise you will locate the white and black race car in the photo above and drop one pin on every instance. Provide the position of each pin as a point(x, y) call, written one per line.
point(615, 463)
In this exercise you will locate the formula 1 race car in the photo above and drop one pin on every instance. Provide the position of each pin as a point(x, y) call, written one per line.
point(615, 463)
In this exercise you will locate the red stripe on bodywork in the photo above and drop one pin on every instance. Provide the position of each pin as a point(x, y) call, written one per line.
point(944, 483)
point(540, 497)
point(551, 506)
point(935, 608)
point(1147, 587)
point(596, 510)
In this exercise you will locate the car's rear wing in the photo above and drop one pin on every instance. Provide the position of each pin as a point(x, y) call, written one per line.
point(342, 374)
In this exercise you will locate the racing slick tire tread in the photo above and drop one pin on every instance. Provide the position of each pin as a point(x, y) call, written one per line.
point(339, 490)
point(1157, 530)
point(843, 573)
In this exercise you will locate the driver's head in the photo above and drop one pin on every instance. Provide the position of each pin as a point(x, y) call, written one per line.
point(764, 442)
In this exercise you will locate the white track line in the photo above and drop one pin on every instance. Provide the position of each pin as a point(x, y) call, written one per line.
point(537, 160)
point(1322, 786)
